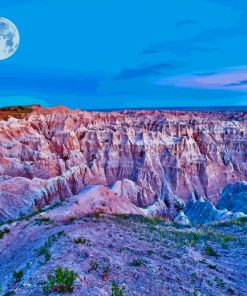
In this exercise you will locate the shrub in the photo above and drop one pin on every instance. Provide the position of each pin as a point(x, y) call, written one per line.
point(220, 283)
point(4, 231)
point(61, 281)
point(210, 251)
point(97, 215)
point(41, 221)
point(9, 293)
point(18, 275)
point(117, 291)
point(94, 265)
point(106, 271)
point(82, 241)
point(44, 250)
point(137, 262)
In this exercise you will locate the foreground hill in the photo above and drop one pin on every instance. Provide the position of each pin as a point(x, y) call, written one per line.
point(142, 257)
point(154, 159)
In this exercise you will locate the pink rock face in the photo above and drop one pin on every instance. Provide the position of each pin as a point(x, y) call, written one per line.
point(95, 199)
point(143, 156)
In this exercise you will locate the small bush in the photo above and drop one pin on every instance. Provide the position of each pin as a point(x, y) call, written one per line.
point(94, 265)
point(41, 221)
point(117, 291)
point(106, 271)
point(228, 238)
point(212, 266)
point(82, 241)
point(97, 215)
point(137, 262)
point(209, 251)
point(61, 281)
point(9, 293)
point(17, 275)
point(219, 282)
point(44, 250)
point(230, 291)
point(3, 232)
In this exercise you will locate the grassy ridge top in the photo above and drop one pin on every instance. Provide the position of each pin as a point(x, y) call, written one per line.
point(16, 111)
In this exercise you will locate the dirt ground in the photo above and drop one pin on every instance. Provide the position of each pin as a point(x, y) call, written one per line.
point(142, 257)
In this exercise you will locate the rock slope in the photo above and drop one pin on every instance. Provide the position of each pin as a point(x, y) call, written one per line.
point(148, 157)
point(234, 198)
point(146, 257)
point(201, 211)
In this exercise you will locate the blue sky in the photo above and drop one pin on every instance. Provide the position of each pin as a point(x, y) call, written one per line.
point(97, 54)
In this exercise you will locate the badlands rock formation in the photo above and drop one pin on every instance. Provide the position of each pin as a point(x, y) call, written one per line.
point(94, 199)
point(199, 210)
point(234, 197)
point(154, 159)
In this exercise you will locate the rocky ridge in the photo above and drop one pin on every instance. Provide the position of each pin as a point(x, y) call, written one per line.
point(154, 159)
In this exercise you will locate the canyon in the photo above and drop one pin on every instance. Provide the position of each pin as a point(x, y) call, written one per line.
point(151, 161)
point(126, 203)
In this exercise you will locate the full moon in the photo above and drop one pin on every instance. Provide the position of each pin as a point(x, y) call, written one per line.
point(9, 38)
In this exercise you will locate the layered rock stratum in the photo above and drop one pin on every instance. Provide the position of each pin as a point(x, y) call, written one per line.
point(151, 159)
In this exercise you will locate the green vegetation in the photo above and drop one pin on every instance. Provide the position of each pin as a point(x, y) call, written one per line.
point(150, 252)
point(193, 277)
point(9, 293)
point(61, 281)
point(117, 291)
point(120, 217)
point(139, 219)
point(41, 221)
point(205, 234)
point(106, 271)
point(32, 214)
point(219, 282)
point(3, 232)
point(209, 251)
point(97, 214)
point(17, 275)
point(94, 265)
point(212, 266)
point(82, 241)
point(137, 262)
point(44, 250)
point(14, 111)
point(194, 293)
point(158, 230)
point(238, 221)
point(230, 291)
